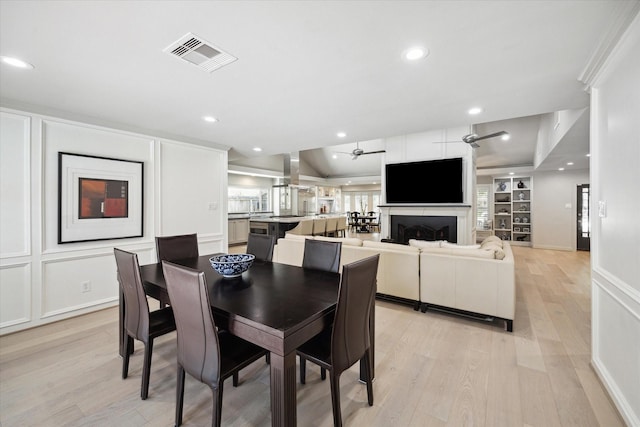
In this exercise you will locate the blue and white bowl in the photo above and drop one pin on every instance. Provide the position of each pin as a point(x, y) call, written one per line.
point(231, 265)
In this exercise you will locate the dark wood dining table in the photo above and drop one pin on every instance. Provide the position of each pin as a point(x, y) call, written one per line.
point(276, 306)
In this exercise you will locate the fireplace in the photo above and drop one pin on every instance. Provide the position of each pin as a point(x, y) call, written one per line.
point(406, 227)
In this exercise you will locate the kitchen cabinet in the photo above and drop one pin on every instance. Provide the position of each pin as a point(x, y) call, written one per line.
point(238, 231)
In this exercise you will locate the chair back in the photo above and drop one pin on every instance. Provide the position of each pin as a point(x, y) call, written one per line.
point(136, 315)
point(321, 255)
point(261, 245)
point(198, 348)
point(342, 223)
point(171, 248)
point(306, 227)
point(350, 336)
point(319, 226)
point(332, 225)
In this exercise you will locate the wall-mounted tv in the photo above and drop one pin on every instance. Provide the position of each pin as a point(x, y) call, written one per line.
point(432, 181)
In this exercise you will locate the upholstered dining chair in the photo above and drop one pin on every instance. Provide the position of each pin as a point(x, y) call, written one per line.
point(341, 230)
point(321, 255)
point(171, 248)
point(206, 354)
point(261, 245)
point(347, 341)
point(332, 226)
point(319, 226)
point(140, 323)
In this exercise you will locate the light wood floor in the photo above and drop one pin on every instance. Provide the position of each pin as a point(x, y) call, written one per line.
point(432, 369)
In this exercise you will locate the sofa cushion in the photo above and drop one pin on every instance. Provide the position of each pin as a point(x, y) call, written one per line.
point(425, 243)
point(445, 244)
point(349, 241)
point(475, 253)
point(492, 245)
point(499, 253)
point(491, 238)
point(391, 246)
point(296, 236)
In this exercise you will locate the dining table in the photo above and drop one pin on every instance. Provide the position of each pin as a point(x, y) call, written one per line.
point(275, 306)
point(364, 222)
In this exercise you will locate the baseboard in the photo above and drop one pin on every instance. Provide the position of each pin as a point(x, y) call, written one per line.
point(617, 398)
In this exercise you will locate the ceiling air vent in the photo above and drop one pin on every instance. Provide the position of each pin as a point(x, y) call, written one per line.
point(199, 52)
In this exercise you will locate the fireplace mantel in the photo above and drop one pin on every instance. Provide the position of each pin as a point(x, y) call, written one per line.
point(463, 213)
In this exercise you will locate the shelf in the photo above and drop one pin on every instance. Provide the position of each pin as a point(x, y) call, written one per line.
point(506, 221)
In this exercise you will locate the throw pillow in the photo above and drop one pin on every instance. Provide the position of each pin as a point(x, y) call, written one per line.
point(425, 243)
point(445, 244)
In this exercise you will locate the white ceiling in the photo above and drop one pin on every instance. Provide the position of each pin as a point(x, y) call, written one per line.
point(305, 69)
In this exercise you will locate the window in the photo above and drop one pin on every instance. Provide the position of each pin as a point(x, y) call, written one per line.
point(248, 199)
point(482, 207)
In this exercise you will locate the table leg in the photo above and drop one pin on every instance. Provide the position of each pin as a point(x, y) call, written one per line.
point(283, 390)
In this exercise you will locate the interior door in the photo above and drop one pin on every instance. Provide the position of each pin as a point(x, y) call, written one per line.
point(584, 218)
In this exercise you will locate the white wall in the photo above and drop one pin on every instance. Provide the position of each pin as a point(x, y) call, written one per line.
point(40, 280)
point(615, 255)
point(554, 211)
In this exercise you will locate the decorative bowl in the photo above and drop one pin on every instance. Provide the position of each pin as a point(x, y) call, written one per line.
point(231, 265)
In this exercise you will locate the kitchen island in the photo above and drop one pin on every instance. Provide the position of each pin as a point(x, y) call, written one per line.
point(275, 225)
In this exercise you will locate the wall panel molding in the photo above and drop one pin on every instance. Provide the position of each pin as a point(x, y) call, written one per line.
point(15, 294)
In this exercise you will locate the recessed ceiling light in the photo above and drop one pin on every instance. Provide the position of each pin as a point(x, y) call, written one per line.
point(335, 156)
point(511, 173)
point(588, 154)
point(475, 110)
point(19, 63)
point(560, 169)
point(374, 182)
point(257, 149)
point(415, 53)
point(506, 137)
point(569, 163)
point(210, 119)
point(341, 134)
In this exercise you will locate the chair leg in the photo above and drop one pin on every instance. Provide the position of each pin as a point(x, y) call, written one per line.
point(125, 358)
point(179, 395)
point(303, 371)
point(216, 417)
point(367, 370)
point(335, 399)
point(146, 369)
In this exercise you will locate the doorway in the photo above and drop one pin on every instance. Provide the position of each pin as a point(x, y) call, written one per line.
point(584, 218)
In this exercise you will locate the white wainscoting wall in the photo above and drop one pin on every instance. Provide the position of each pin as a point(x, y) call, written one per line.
point(42, 281)
point(615, 253)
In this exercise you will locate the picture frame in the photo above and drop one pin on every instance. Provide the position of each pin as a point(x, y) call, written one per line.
point(99, 198)
point(526, 230)
point(516, 229)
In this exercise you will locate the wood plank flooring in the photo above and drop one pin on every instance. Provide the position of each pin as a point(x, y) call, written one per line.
point(432, 369)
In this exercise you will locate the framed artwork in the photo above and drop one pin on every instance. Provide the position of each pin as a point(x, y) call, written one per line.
point(516, 229)
point(526, 229)
point(99, 198)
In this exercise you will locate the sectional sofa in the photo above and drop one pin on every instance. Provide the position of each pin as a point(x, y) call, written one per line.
point(470, 280)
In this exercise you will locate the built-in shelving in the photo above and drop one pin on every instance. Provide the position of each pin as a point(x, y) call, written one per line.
point(512, 209)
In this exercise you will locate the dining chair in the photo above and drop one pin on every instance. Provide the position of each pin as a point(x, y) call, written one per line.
point(139, 322)
point(171, 248)
point(347, 341)
point(319, 226)
point(332, 226)
point(353, 221)
point(204, 353)
point(321, 255)
point(261, 245)
point(341, 230)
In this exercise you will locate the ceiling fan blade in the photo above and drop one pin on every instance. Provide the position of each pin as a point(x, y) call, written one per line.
point(445, 142)
point(373, 152)
point(474, 145)
point(491, 135)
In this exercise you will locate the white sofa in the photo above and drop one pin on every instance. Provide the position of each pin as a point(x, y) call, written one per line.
point(470, 280)
point(467, 279)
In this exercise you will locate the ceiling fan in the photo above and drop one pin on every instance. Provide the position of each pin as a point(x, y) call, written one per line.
point(357, 152)
point(472, 138)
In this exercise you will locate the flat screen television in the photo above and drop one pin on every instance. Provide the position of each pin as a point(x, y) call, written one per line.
point(432, 181)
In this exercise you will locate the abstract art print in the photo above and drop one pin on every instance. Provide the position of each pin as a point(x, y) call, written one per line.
point(99, 198)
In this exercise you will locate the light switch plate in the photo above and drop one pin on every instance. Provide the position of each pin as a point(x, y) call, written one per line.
point(602, 209)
